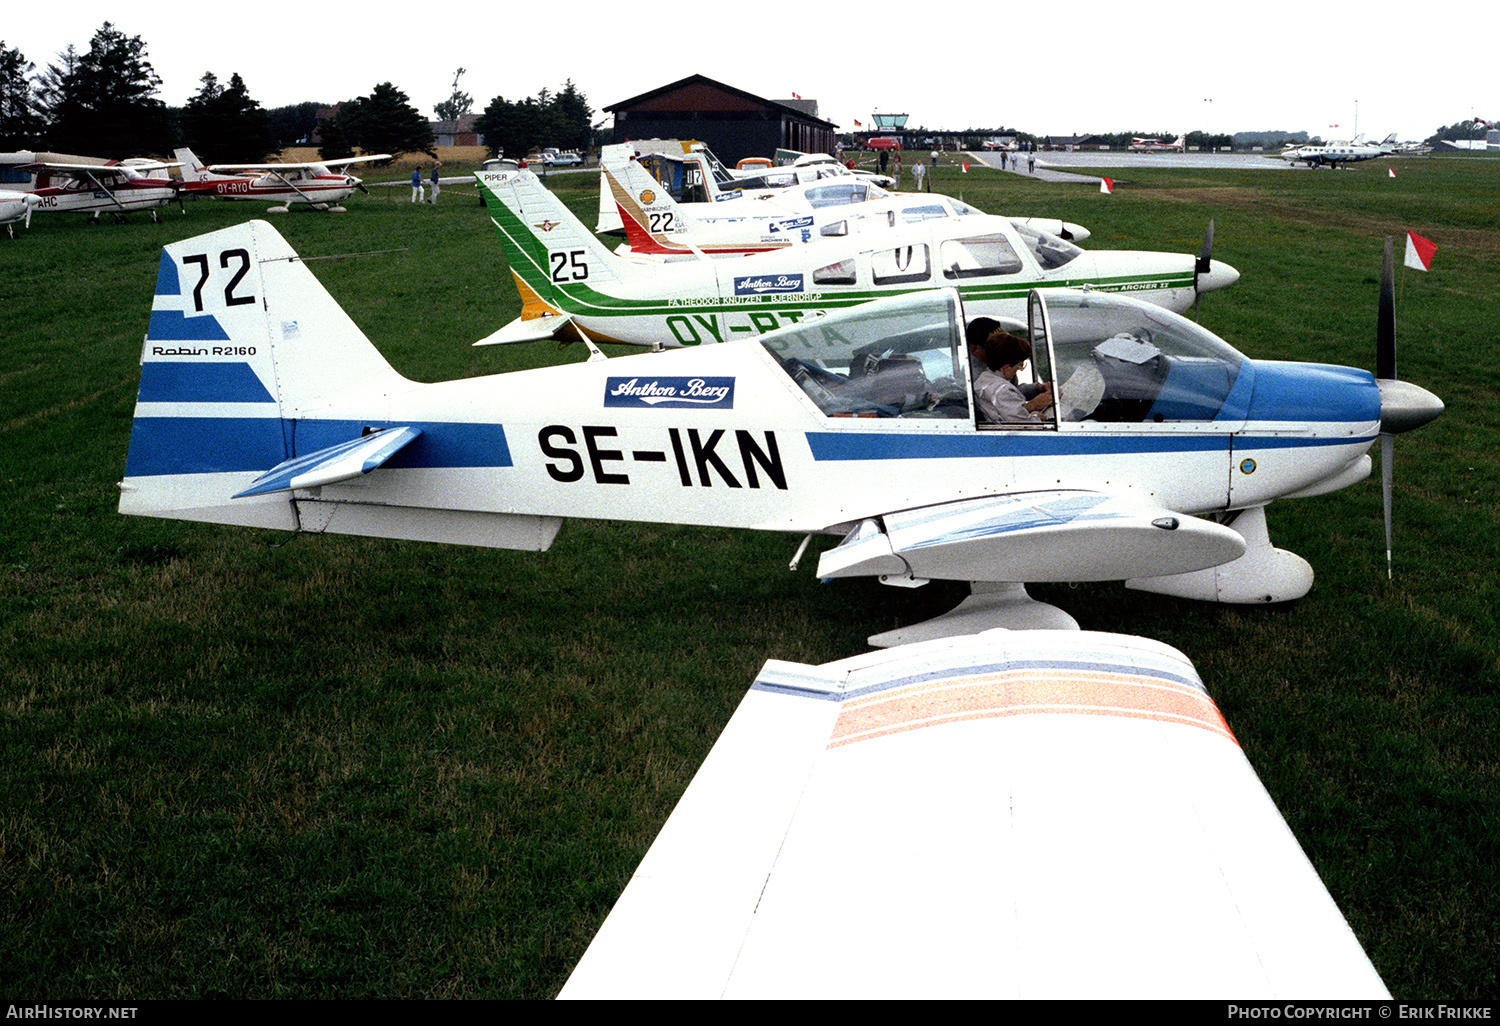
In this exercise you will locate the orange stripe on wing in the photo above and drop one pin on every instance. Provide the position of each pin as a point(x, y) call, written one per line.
point(1014, 692)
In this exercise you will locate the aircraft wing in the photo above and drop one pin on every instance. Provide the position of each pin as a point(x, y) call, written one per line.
point(1062, 535)
point(528, 329)
point(242, 168)
point(1014, 814)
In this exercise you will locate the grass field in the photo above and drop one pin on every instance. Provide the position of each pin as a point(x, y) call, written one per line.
point(250, 765)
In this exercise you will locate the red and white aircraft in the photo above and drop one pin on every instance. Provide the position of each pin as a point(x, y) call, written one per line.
point(117, 188)
point(316, 183)
point(1140, 145)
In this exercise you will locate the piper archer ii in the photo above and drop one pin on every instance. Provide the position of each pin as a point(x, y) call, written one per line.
point(573, 287)
point(17, 206)
point(262, 404)
point(115, 188)
point(658, 227)
point(315, 184)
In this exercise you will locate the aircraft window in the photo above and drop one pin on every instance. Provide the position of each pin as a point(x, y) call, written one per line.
point(1121, 360)
point(1050, 250)
point(892, 358)
point(841, 273)
point(14, 176)
point(979, 257)
point(901, 265)
point(835, 229)
point(926, 212)
point(837, 194)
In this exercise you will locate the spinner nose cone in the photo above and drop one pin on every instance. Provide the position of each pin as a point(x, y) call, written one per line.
point(1218, 276)
point(1405, 407)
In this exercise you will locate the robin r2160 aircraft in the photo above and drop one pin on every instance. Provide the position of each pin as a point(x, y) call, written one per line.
point(572, 286)
point(1066, 811)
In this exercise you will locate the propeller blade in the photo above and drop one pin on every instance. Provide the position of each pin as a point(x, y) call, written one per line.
point(1385, 321)
point(1387, 476)
point(1203, 265)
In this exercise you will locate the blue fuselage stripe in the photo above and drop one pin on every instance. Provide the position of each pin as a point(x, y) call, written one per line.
point(209, 445)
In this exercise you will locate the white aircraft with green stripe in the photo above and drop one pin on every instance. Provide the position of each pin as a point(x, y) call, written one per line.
point(573, 287)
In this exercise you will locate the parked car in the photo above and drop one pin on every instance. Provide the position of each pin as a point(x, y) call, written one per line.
point(561, 159)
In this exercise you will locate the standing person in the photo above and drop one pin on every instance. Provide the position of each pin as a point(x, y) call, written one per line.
point(896, 174)
point(917, 171)
point(1031, 162)
point(416, 184)
point(884, 160)
point(435, 190)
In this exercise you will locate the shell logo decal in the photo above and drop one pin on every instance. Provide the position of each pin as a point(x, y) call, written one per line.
point(648, 196)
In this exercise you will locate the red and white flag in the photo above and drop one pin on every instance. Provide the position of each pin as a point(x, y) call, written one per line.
point(966, 167)
point(1419, 252)
point(1391, 171)
point(1107, 186)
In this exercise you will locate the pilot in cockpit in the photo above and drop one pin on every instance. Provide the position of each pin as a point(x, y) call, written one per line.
point(997, 394)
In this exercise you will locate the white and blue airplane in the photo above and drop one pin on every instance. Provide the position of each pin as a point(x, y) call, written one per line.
point(658, 227)
point(955, 787)
point(573, 287)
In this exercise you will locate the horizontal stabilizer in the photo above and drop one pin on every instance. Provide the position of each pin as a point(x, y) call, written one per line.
point(534, 329)
point(342, 462)
point(1033, 536)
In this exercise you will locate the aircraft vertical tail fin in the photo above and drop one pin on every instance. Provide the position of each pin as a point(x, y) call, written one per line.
point(646, 210)
point(243, 349)
point(193, 169)
point(556, 261)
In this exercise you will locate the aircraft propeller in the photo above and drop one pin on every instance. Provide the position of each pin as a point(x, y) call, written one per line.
point(1203, 265)
point(1403, 406)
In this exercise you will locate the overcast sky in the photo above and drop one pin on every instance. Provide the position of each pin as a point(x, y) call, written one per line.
point(1045, 68)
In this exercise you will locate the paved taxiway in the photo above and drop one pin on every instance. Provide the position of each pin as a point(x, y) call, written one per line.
point(1055, 166)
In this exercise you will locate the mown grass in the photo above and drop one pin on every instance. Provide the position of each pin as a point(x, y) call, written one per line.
point(238, 764)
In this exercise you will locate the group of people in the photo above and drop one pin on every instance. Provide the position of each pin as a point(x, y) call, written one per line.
point(417, 195)
point(996, 357)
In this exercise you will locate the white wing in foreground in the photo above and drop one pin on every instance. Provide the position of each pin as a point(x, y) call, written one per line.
point(1030, 814)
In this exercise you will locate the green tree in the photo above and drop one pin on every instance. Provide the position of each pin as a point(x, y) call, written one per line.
point(21, 124)
point(104, 101)
point(224, 125)
point(562, 119)
point(384, 122)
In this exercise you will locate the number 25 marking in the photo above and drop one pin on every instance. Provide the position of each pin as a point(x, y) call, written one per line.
point(569, 265)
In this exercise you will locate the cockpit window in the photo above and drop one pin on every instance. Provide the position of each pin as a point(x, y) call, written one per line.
point(923, 212)
point(1121, 360)
point(978, 257)
point(837, 194)
point(891, 358)
point(1050, 251)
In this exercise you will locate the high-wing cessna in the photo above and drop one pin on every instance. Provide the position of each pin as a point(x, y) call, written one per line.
point(114, 188)
point(657, 226)
point(17, 206)
point(1067, 813)
point(1340, 153)
point(572, 286)
point(316, 184)
point(1139, 145)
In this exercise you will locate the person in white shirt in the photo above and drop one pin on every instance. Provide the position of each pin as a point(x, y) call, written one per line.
point(996, 391)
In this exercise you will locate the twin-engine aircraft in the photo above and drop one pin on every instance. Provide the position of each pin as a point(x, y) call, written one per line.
point(113, 188)
point(658, 227)
point(1340, 153)
point(1067, 812)
point(315, 184)
point(573, 287)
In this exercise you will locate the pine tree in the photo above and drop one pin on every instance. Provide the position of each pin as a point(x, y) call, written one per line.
point(21, 124)
point(104, 102)
point(384, 122)
point(224, 125)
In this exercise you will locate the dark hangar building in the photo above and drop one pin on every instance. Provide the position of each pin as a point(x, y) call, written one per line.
point(735, 124)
